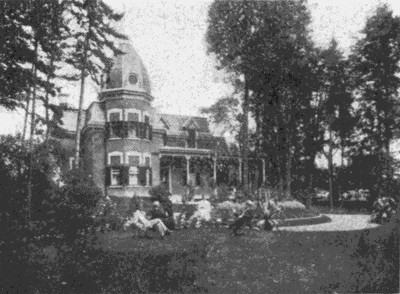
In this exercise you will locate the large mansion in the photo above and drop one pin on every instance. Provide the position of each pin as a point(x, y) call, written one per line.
point(127, 146)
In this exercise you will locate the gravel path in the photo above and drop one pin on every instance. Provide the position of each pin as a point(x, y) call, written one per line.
point(340, 222)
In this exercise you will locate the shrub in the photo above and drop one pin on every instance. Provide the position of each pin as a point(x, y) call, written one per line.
point(383, 209)
point(73, 206)
point(159, 192)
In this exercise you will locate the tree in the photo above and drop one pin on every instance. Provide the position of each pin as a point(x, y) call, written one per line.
point(91, 40)
point(376, 66)
point(230, 37)
point(224, 113)
point(335, 104)
point(261, 42)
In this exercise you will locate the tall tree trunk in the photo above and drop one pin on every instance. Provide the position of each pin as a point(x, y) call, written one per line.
point(28, 103)
point(288, 190)
point(246, 138)
point(32, 133)
point(330, 167)
point(46, 104)
point(80, 108)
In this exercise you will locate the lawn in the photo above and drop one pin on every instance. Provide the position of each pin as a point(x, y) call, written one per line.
point(283, 262)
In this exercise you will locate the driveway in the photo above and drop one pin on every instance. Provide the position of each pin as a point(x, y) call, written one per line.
point(340, 222)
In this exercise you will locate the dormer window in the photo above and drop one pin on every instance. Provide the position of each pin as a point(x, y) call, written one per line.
point(191, 141)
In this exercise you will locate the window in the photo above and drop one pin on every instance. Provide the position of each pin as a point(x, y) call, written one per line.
point(133, 176)
point(165, 140)
point(115, 158)
point(191, 141)
point(116, 177)
point(132, 115)
point(147, 161)
point(146, 117)
point(134, 160)
point(133, 78)
point(114, 114)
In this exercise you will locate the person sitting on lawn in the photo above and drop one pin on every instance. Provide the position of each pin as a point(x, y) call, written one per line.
point(202, 214)
point(271, 210)
point(159, 212)
point(140, 220)
point(245, 218)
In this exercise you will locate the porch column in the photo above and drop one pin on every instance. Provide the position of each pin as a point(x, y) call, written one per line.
point(215, 170)
point(263, 171)
point(187, 168)
point(170, 178)
point(240, 170)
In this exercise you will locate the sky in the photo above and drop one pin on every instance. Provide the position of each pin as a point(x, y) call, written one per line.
point(169, 36)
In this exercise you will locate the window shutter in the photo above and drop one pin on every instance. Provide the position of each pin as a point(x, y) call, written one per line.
point(137, 129)
point(125, 175)
point(142, 131)
point(151, 177)
point(142, 176)
point(108, 176)
point(150, 133)
point(125, 128)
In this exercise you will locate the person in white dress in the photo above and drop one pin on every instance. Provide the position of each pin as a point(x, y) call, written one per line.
point(202, 214)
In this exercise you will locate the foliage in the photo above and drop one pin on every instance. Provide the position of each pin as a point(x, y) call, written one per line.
point(383, 209)
point(73, 206)
point(376, 66)
point(247, 38)
point(159, 192)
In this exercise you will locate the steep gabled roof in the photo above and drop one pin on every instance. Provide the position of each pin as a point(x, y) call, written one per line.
point(177, 123)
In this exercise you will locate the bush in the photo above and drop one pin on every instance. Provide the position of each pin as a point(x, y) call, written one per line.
point(159, 193)
point(383, 209)
point(73, 206)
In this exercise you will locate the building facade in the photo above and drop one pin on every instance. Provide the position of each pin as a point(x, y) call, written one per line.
point(128, 147)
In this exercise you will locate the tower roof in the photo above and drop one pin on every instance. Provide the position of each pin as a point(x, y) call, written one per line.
point(128, 71)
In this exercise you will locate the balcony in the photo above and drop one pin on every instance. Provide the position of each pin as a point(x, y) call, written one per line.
point(129, 129)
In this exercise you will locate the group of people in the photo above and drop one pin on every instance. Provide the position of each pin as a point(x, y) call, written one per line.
point(250, 216)
point(161, 216)
point(158, 219)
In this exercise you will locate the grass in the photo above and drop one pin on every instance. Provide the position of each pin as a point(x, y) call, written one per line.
point(285, 262)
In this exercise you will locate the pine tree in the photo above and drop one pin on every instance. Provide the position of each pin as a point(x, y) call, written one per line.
point(376, 67)
point(94, 37)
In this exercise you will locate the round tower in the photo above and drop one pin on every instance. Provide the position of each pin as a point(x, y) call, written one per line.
point(126, 99)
